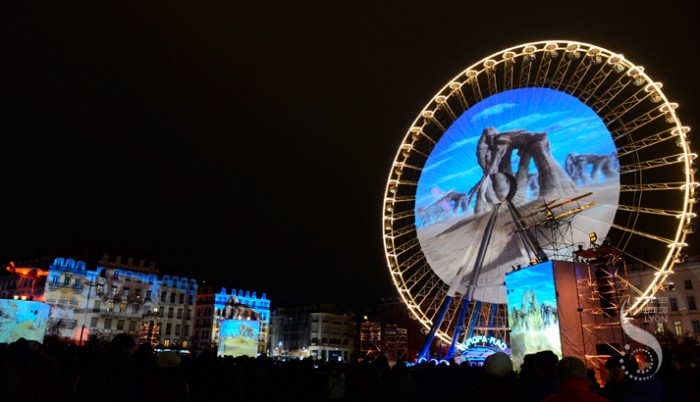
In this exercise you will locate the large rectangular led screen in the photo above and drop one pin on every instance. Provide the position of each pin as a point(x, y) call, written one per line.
point(238, 338)
point(532, 312)
point(23, 319)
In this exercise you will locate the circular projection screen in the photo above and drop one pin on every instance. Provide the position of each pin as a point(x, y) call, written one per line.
point(535, 146)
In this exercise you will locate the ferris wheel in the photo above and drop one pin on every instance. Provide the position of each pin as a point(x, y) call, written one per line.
point(522, 158)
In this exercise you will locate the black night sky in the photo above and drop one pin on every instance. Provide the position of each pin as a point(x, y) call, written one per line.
point(248, 143)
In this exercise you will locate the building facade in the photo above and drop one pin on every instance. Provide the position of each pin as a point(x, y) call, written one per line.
point(119, 297)
point(24, 283)
point(320, 332)
point(212, 308)
point(674, 311)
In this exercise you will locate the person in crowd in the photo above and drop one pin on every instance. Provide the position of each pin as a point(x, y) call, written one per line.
point(110, 374)
point(572, 378)
point(168, 384)
point(335, 390)
point(498, 381)
point(542, 382)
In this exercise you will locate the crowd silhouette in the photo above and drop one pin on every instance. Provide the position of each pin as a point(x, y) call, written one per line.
point(121, 370)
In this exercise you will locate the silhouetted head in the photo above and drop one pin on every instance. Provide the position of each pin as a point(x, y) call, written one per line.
point(123, 345)
point(570, 367)
point(498, 365)
point(545, 361)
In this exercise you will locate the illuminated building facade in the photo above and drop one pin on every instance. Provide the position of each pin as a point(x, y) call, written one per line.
point(23, 283)
point(674, 311)
point(118, 297)
point(212, 308)
point(176, 304)
point(320, 332)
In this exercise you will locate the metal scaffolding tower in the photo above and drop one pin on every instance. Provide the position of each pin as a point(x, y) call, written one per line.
point(395, 343)
point(370, 340)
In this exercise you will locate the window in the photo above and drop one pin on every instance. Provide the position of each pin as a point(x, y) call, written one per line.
point(148, 295)
point(97, 306)
point(691, 303)
point(172, 297)
point(170, 312)
point(688, 284)
point(120, 325)
point(122, 307)
point(182, 298)
point(77, 282)
point(168, 328)
point(93, 322)
point(134, 309)
point(162, 296)
point(660, 328)
point(166, 342)
point(126, 291)
point(177, 329)
point(189, 314)
point(187, 330)
point(132, 326)
point(110, 306)
point(677, 328)
point(64, 296)
point(179, 313)
point(184, 344)
point(108, 323)
point(674, 303)
point(696, 326)
point(66, 281)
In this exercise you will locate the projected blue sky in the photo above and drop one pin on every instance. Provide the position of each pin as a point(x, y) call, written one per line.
point(538, 278)
point(570, 126)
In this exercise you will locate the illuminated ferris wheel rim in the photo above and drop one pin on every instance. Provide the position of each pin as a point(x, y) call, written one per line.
point(547, 50)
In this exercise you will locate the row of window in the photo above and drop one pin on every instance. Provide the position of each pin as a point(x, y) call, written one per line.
point(176, 342)
point(330, 341)
point(175, 295)
point(109, 323)
point(673, 303)
point(678, 327)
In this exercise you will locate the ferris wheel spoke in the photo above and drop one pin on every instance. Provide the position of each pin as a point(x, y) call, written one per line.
point(628, 128)
point(651, 164)
point(643, 234)
point(681, 185)
point(652, 211)
point(649, 141)
point(617, 88)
